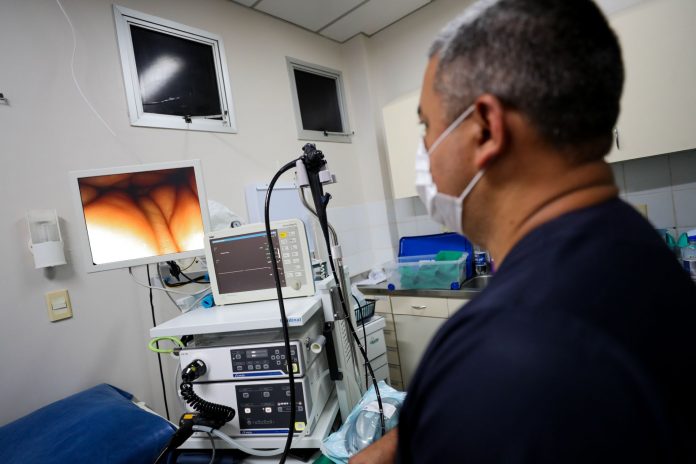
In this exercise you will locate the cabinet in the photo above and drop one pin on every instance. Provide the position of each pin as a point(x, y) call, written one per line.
point(657, 104)
point(410, 324)
point(414, 335)
point(659, 96)
point(402, 134)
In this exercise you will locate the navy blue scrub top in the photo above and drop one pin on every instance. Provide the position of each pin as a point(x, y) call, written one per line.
point(581, 350)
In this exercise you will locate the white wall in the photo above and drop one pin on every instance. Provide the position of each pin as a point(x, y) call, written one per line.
point(48, 130)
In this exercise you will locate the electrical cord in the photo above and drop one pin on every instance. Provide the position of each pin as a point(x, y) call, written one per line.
point(212, 445)
point(283, 317)
point(130, 271)
point(154, 344)
point(159, 355)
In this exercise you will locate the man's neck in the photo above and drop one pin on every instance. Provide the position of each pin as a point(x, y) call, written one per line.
point(581, 187)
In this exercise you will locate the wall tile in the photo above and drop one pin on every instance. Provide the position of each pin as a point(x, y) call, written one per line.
point(427, 226)
point(376, 214)
point(418, 206)
point(349, 242)
point(660, 206)
point(383, 256)
point(408, 228)
point(403, 208)
point(618, 170)
point(647, 174)
point(683, 167)
point(343, 218)
point(380, 237)
point(685, 207)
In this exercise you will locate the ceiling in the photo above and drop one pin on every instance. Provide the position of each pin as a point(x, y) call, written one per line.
point(340, 20)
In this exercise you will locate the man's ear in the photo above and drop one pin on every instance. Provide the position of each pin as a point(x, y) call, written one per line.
point(489, 115)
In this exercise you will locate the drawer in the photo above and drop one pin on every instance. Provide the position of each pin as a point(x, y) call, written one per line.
point(382, 305)
point(379, 367)
point(419, 306)
point(393, 355)
point(376, 345)
point(395, 373)
point(390, 338)
point(453, 304)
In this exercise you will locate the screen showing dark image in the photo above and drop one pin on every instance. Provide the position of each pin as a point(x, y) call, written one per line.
point(176, 76)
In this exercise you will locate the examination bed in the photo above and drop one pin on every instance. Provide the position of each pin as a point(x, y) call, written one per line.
point(98, 425)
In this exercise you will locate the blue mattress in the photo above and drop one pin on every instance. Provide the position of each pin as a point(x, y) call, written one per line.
point(98, 425)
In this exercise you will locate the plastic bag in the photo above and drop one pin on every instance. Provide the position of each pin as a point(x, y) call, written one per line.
point(363, 427)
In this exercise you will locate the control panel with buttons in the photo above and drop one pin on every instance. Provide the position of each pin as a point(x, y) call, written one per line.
point(266, 361)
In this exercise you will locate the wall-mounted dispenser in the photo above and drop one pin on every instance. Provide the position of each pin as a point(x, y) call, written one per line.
point(45, 239)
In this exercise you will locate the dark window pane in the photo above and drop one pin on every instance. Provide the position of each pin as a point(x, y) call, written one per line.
point(176, 76)
point(318, 101)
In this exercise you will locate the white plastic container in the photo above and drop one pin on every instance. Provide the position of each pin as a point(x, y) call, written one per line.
point(423, 272)
point(688, 255)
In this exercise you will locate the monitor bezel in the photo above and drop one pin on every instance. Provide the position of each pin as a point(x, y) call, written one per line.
point(307, 289)
point(75, 176)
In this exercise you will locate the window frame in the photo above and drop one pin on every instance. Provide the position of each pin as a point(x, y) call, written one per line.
point(123, 18)
point(312, 135)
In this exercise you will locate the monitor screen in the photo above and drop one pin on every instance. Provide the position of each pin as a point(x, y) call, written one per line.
point(243, 262)
point(241, 266)
point(142, 214)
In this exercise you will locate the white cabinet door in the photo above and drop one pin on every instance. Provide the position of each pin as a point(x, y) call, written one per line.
point(657, 107)
point(402, 132)
point(413, 334)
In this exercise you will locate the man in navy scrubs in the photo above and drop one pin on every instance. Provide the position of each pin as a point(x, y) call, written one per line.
point(583, 347)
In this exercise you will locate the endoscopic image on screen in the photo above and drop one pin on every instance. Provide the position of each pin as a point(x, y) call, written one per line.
point(142, 214)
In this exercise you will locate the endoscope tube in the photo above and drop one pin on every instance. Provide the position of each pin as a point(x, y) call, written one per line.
point(314, 161)
point(283, 317)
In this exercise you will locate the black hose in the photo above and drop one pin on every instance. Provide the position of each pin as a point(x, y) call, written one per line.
point(314, 161)
point(283, 317)
point(214, 411)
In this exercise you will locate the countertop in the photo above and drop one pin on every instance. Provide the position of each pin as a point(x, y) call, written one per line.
point(381, 290)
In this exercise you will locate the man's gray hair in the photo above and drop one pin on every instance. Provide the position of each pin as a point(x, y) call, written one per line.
point(556, 61)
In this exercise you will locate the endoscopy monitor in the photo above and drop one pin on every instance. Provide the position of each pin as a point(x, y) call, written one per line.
point(144, 214)
point(240, 262)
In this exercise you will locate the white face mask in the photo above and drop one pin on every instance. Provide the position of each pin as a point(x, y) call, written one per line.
point(442, 208)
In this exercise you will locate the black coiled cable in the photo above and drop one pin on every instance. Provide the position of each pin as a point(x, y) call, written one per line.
point(213, 411)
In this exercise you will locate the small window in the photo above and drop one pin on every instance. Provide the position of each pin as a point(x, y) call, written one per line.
point(175, 76)
point(320, 109)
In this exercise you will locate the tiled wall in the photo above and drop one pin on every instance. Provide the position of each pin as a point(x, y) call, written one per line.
point(369, 233)
point(666, 184)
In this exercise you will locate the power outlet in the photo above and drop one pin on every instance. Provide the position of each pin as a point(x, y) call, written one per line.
point(59, 306)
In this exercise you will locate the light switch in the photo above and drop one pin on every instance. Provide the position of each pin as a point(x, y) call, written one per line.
point(58, 304)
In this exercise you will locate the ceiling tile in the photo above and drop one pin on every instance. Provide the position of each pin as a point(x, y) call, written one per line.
point(310, 14)
point(371, 17)
point(245, 2)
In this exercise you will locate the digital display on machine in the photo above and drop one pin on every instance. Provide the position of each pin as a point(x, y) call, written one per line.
point(243, 262)
point(139, 215)
point(255, 354)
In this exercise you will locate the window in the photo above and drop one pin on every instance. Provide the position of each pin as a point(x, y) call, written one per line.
point(175, 76)
point(320, 109)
